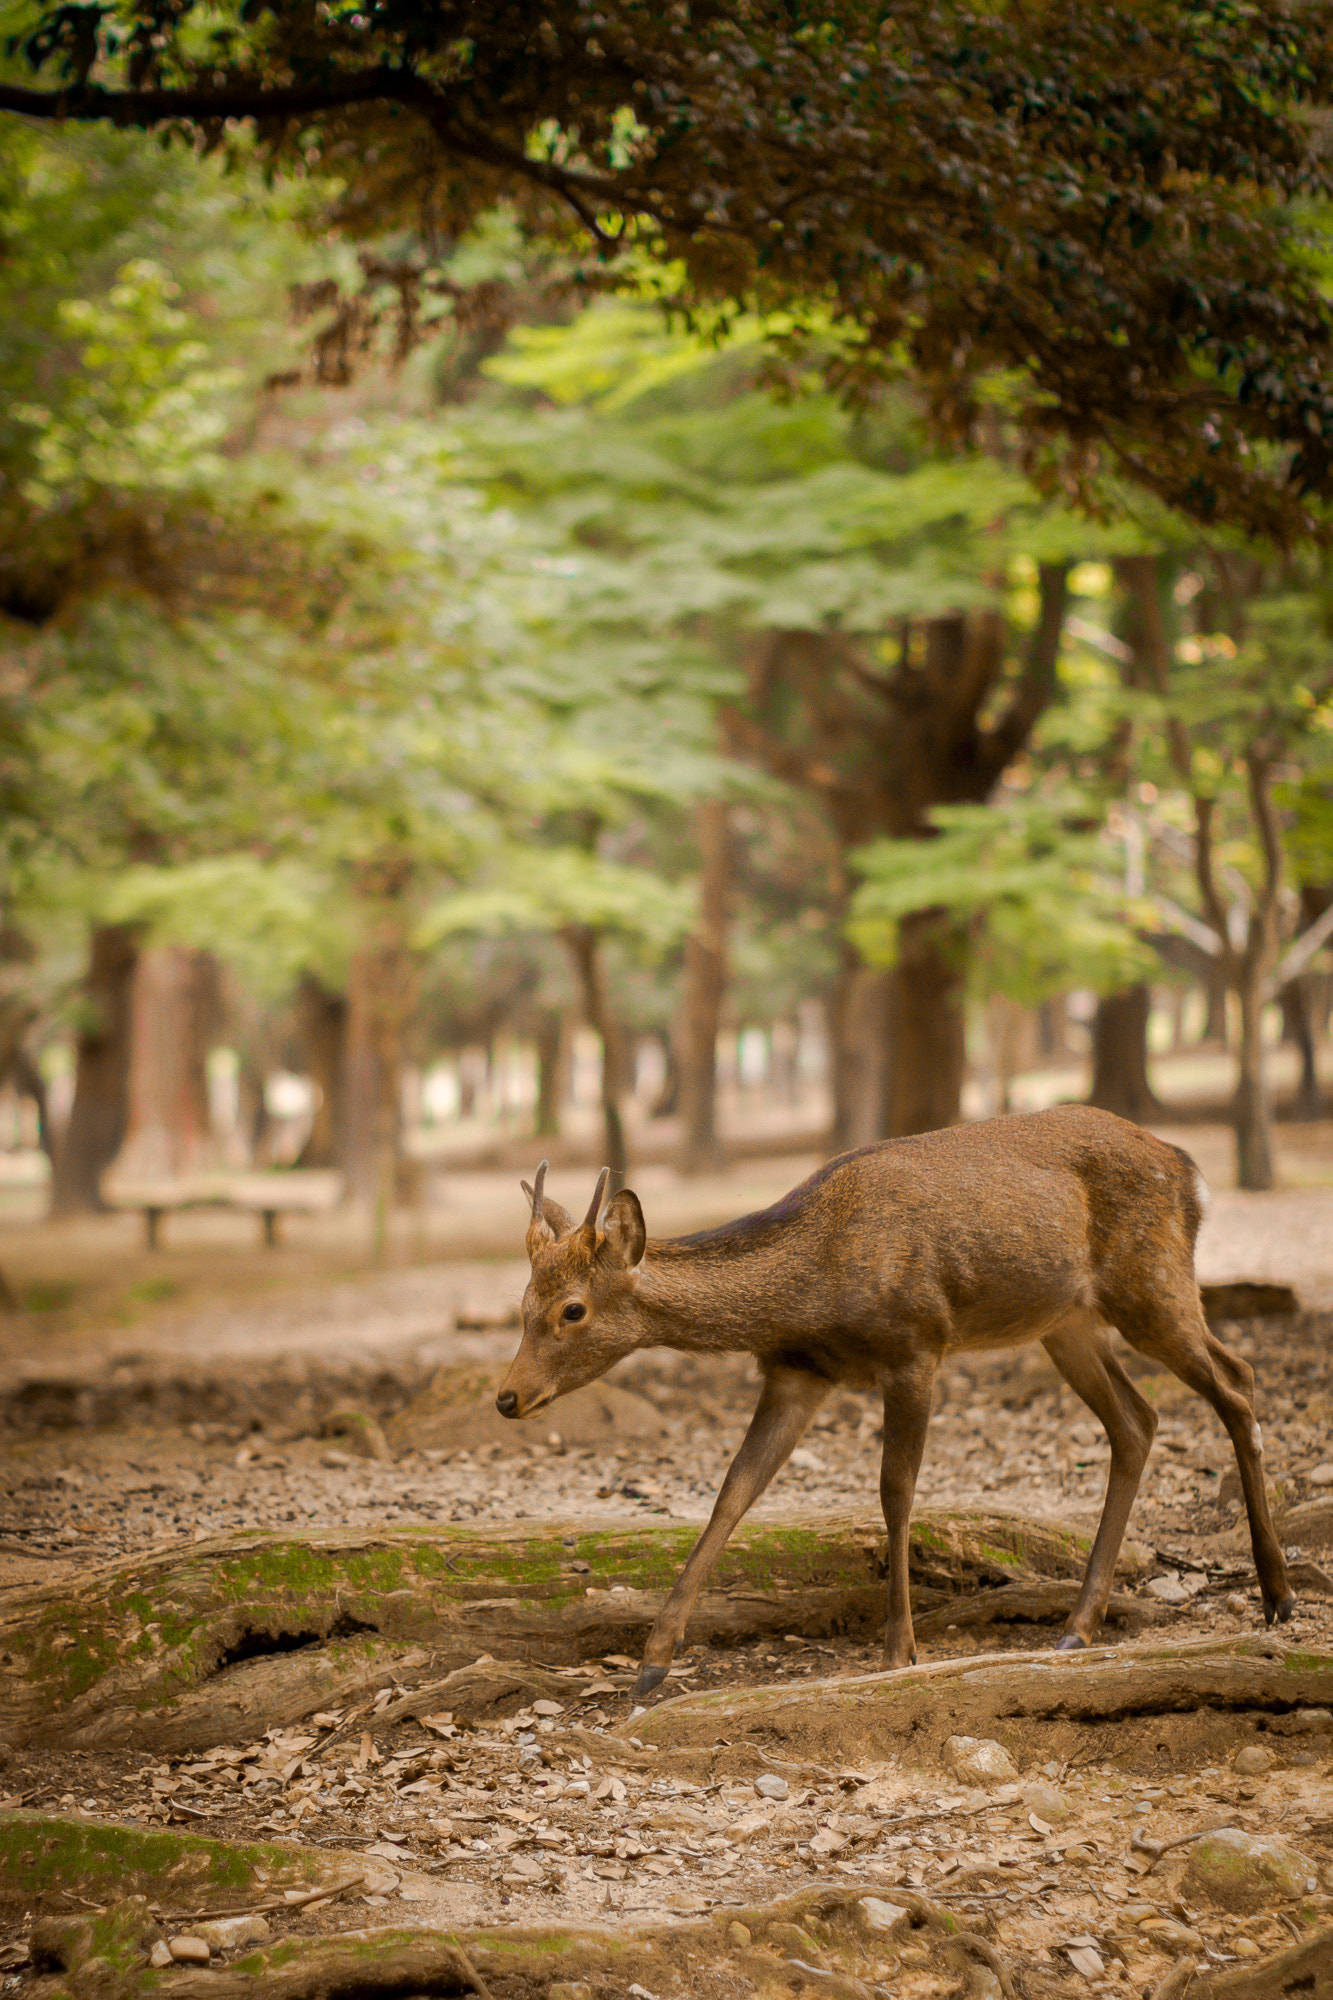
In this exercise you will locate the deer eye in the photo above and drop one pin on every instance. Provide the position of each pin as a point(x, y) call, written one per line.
point(574, 1311)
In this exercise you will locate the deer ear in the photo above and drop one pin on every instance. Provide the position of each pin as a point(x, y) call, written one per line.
point(624, 1230)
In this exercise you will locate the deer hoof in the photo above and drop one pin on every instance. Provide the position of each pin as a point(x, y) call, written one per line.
point(650, 1677)
point(1071, 1643)
point(1278, 1610)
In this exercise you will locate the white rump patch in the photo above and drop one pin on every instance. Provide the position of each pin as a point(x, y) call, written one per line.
point(1202, 1191)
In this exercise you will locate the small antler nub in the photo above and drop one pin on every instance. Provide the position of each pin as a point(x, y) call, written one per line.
point(594, 1206)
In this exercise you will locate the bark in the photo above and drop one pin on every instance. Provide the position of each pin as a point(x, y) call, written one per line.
point(1251, 1112)
point(177, 1015)
point(585, 949)
point(1120, 1056)
point(857, 1013)
point(100, 1111)
point(704, 988)
point(321, 1017)
point(381, 995)
point(923, 1085)
point(369, 1609)
point(1296, 998)
point(552, 1040)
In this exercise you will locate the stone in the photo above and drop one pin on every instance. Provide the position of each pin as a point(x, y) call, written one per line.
point(1244, 1947)
point(1167, 1590)
point(888, 1919)
point(1246, 1871)
point(770, 1786)
point(1321, 1475)
point(1047, 1801)
point(1253, 1760)
point(738, 1935)
point(189, 1950)
point(159, 1957)
point(1172, 1936)
point(751, 1824)
point(1310, 1721)
point(977, 1760)
point(225, 1933)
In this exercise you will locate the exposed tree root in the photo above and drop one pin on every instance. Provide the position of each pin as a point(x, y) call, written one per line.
point(1025, 1701)
point(220, 1641)
point(1034, 1604)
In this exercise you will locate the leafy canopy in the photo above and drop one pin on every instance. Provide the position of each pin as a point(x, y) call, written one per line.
point(1107, 204)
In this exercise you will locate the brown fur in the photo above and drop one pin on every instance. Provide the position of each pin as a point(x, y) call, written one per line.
point(1055, 1227)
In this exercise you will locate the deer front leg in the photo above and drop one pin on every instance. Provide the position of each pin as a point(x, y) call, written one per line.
point(907, 1400)
point(787, 1401)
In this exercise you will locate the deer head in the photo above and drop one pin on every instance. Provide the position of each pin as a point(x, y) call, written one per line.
point(578, 1310)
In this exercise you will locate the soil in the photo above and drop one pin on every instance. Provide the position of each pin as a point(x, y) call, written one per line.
point(213, 1415)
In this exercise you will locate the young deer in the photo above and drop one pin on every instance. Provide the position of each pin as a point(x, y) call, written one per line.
point(1057, 1227)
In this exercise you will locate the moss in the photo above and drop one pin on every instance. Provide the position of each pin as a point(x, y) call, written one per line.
point(43, 1852)
point(1308, 1663)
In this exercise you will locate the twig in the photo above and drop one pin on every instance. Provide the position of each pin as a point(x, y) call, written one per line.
point(469, 1970)
point(293, 1902)
point(1140, 1844)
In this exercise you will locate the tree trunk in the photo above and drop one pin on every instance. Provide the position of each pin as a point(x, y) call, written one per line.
point(381, 990)
point(1251, 1113)
point(923, 1085)
point(100, 1111)
point(1296, 998)
point(1120, 1056)
point(704, 988)
point(176, 1015)
point(856, 1017)
point(552, 1039)
point(322, 1026)
point(585, 950)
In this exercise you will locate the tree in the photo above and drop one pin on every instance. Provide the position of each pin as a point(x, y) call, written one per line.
point(1099, 202)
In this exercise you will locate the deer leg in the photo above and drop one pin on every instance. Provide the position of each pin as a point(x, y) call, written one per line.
point(1182, 1342)
point(907, 1400)
point(1083, 1356)
point(787, 1401)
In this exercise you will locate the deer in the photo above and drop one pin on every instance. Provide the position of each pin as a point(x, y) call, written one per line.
point(1059, 1226)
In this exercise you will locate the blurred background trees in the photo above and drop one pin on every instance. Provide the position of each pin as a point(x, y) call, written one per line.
point(559, 723)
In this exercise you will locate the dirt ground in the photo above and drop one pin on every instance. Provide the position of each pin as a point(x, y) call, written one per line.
point(171, 1400)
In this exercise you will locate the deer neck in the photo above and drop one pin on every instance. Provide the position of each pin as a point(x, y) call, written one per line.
point(706, 1295)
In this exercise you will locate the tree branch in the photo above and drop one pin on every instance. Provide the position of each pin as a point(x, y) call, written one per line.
point(1214, 907)
point(1189, 926)
point(1298, 954)
point(1001, 744)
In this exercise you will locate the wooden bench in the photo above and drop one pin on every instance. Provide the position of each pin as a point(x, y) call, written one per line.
point(269, 1196)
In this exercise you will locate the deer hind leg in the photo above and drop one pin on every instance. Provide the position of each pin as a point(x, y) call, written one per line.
point(787, 1402)
point(907, 1400)
point(1083, 1355)
point(1175, 1333)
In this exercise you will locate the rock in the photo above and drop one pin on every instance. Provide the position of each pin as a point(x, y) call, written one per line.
point(1167, 1589)
point(738, 1935)
point(770, 1786)
point(359, 1432)
point(751, 1824)
point(189, 1950)
point(1047, 1801)
point(888, 1919)
point(1322, 1475)
point(225, 1933)
point(456, 1410)
point(159, 1957)
point(1244, 1947)
point(1253, 1761)
point(1172, 1936)
point(806, 1460)
point(1311, 1721)
point(977, 1760)
point(1246, 1871)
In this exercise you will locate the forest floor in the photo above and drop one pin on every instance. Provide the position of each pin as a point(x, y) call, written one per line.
point(160, 1401)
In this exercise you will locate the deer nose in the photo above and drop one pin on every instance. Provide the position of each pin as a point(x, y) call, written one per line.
point(507, 1403)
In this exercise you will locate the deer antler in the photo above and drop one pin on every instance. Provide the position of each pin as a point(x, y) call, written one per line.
point(590, 1219)
point(534, 1194)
